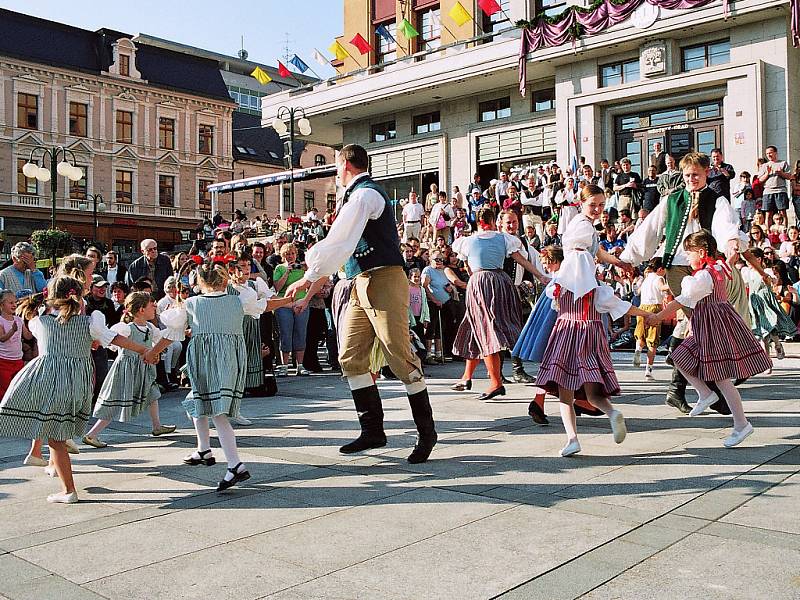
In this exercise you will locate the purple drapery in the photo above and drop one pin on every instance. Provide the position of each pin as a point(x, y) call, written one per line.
point(542, 34)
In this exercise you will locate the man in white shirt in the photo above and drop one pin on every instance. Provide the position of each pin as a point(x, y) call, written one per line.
point(651, 293)
point(413, 212)
point(364, 239)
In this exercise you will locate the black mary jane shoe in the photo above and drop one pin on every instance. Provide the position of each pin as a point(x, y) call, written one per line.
point(205, 459)
point(237, 477)
point(462, 386)
point(537, 414)
point(501, 391)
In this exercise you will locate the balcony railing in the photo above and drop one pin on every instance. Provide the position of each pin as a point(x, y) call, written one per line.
point(168, 211)
point(127, 209)
point(29, 200)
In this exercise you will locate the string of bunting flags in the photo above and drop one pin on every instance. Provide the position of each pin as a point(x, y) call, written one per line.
point(543, 31)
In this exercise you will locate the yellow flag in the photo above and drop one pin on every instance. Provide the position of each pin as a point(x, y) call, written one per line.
point(338, 51)
point(261, 76)
point(459, 14)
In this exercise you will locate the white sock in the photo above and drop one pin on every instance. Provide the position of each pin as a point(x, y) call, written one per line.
point(203, 435)
point(227, 439)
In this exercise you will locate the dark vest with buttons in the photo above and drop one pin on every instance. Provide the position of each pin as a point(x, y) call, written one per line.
point(379, 245)
point(678, 208)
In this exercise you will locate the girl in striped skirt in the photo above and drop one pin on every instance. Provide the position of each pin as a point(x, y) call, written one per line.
point(216, 363)
point(577, 360)
point(130, 385)
point(720, 348)
point(492, 321)
point(51, 398)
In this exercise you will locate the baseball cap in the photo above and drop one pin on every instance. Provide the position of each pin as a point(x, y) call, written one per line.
point(99, 281)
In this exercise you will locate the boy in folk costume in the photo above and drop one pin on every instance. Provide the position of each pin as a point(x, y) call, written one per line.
point(364, 238)
point(684, 212)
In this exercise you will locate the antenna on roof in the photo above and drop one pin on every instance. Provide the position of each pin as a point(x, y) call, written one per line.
point(243, 53)
point(287, 51)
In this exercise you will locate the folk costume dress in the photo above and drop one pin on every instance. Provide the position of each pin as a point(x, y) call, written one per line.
point(130, 386)
point(493, 318)
point(766, 315)
point(51, 397)
point(216, 358)
point(251, 328)
point(720, 345)
point(577, 352)
point(533, 338)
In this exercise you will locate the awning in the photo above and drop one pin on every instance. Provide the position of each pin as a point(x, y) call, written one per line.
point(273, 179)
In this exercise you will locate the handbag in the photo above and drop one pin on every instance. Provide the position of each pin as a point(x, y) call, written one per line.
point(440, 222)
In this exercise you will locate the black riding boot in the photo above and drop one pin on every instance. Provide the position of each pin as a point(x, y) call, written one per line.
point(426, 430)
point(370, 415)
point(519, 374)
point(676, 392)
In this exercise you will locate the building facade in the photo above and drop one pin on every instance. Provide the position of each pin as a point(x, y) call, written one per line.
point(259, 150)
point(150, 128)
point(446, 104)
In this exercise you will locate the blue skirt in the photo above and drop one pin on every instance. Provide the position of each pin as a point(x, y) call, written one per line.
point(533, 338)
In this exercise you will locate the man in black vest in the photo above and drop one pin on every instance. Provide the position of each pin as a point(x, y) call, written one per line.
point(364, 239)
point(684, 212)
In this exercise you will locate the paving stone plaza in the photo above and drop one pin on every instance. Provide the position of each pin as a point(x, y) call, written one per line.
point(496, 512)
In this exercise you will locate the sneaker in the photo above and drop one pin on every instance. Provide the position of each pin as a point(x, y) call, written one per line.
point(618, 427)
point(62, 498)
point(737, 437)
point(648, 372)
point(702, 404)
point(572, 448)
point(240, 420)
point(163, 430)
point(780, 353)
point(303, 371)
point(93, 442)
point(281, 370)
point(34, 461)
point(72, 447)
point(637, 358)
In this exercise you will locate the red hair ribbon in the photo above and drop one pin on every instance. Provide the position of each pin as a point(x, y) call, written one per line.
point(44, 293)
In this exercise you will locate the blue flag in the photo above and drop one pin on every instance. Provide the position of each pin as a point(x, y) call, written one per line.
point(298, 62)
point(384, 33)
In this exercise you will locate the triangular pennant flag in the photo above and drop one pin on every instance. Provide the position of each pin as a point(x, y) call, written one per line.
point(459, 14)
point(384, 33)
point(283, 71)
point(320, 58)
point(407, 29)
point(261, 76)
point(489, 6)
point(361, 44)
point(338, 51)
point(298, 62)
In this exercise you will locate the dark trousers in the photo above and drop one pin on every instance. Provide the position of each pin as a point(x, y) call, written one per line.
point(100, 360)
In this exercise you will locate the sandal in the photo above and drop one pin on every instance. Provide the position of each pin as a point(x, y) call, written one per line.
point(203, 460)
point(237, 477)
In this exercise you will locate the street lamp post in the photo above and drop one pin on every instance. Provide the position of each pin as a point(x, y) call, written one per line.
point(281, 128)
point(64, 168)
point(97, 205)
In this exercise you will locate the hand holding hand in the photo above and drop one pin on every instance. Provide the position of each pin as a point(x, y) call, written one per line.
point(297, 286)
point(150, 357)
point(299, 306)
point(652, 320)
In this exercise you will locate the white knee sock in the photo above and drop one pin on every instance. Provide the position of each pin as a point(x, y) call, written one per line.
point(227, 439)
point(203, 433)
point(98, 427)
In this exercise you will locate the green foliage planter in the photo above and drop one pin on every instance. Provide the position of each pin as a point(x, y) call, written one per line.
point(52, 243)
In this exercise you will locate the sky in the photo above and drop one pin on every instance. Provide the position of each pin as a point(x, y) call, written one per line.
point(217, 26)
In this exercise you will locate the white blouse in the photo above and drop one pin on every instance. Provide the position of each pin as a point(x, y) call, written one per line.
point(124, 329)
point(605, 301)
point(696, 287)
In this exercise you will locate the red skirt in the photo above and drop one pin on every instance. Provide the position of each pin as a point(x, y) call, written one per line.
point(8, 368)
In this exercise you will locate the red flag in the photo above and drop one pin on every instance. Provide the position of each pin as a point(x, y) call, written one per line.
point(283, 71)
point(359, 42)
point(489, 6)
